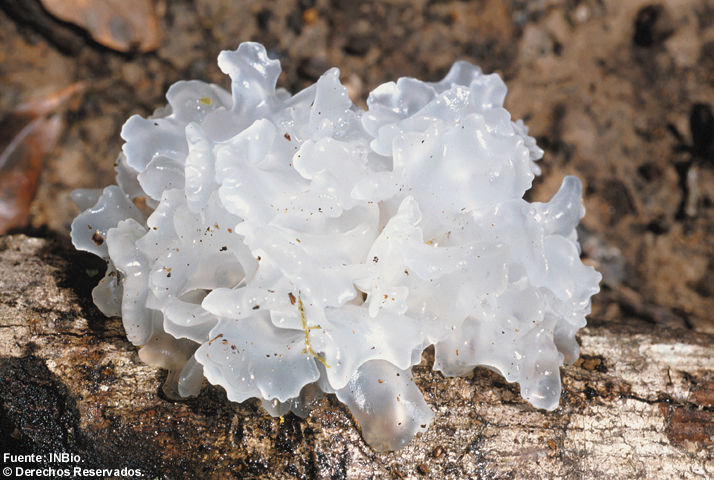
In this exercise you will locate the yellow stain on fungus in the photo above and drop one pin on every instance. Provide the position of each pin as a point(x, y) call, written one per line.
point(206, 100)
point(306, 329)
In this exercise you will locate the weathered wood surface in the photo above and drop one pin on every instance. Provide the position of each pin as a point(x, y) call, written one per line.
point(638, 404)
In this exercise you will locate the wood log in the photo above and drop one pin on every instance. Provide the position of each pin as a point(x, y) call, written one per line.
point(639, 403)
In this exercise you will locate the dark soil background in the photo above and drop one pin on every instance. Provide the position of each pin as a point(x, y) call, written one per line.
point(618, 93)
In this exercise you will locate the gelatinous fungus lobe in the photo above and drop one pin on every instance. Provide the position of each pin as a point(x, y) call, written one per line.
point(297, 245)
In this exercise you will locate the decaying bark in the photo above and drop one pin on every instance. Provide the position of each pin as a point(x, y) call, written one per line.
point(638, 404)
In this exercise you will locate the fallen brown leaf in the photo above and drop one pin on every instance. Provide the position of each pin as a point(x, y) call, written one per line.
point(123, 25)
point(26, 136)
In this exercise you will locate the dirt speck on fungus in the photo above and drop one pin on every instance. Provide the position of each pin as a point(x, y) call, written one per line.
point(97, 238)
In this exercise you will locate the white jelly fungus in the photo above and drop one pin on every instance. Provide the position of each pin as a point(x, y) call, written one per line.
point(285, 246)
